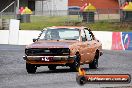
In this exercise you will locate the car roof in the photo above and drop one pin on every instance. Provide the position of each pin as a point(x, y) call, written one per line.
point(70, 27)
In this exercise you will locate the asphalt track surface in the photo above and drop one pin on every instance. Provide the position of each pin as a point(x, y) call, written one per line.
point(13, 73)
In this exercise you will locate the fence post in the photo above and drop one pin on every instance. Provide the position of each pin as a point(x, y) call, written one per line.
point(78, 15)
point(98, 14)
point(17, 8)
point(15, 14)
point(1, 15)
point(108, 15)
point(42, 7)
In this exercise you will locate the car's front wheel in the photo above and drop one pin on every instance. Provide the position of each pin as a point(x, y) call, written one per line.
point(94, 63)
point(76, 64)
point(31, 68)
point(81, 80)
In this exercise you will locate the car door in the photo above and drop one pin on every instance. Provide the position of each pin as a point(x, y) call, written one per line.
point(91, 45)
point(83, 46)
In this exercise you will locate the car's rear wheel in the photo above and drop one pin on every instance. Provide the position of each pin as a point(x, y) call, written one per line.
point(31, 68)
point(94, 63)
point(76, 64)
point(52, 67)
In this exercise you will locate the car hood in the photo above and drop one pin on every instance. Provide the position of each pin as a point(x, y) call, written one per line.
point(52, 44)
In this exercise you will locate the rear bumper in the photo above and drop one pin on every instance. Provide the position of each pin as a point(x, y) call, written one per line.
point(49, 60)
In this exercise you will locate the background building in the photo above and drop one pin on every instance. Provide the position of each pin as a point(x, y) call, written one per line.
point(51, 7)
point(36, 5)
point(101, 4)
point(60, 5)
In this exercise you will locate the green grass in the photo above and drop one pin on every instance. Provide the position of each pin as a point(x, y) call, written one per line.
point(8, 17)
point(111, 26)
point(39, 22)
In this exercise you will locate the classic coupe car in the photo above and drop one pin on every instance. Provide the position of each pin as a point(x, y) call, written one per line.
point(63, 46)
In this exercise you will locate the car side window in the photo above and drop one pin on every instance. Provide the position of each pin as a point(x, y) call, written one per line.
point(89, 35)
point(83, 36)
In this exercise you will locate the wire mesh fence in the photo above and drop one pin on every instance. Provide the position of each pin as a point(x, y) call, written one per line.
point(8, 12)
point(106, 15)
point(109, 15)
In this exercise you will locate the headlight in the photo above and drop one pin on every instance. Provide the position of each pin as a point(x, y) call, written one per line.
point(27, 51)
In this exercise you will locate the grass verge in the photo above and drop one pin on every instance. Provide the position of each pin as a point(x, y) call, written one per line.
point(40, 22)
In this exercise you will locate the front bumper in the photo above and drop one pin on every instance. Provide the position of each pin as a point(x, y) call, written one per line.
point(47, 60)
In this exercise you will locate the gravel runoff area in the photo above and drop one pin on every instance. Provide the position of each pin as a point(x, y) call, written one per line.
point(13, 73)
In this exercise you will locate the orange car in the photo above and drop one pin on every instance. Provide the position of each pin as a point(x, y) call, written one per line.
point(63, 46)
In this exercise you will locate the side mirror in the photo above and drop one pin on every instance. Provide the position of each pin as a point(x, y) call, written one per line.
point(34, 40)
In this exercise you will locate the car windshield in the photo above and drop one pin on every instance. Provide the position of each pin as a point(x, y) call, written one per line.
point(60, 34)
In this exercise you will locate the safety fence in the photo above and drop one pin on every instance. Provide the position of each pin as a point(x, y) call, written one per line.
point(8, 12)
point(107, 15)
